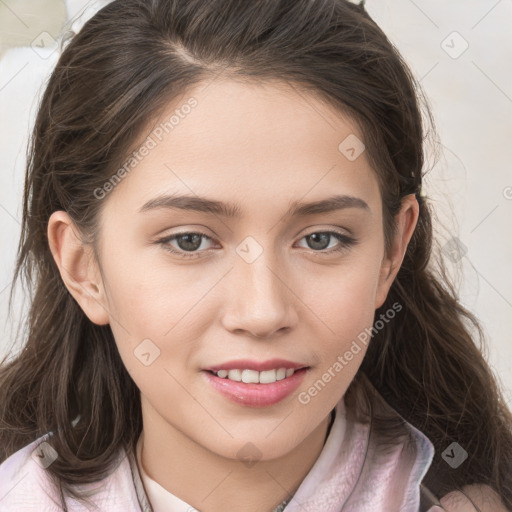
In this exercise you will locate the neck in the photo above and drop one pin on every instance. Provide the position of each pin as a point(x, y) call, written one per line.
point(213, 483)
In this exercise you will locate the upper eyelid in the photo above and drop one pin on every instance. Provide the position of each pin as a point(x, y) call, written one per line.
point(173, 236)
point(198, 232)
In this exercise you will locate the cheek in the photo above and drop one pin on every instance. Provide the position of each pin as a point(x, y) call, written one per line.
point(345, 299)
point(146, 297)
point(344, 302)
point(158, 318)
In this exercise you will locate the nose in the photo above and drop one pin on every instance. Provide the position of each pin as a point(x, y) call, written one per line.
point(259, 300)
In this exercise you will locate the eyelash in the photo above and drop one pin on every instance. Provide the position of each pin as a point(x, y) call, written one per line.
point(346, 243)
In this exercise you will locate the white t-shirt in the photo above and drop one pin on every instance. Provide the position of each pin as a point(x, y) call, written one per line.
point(164, 501)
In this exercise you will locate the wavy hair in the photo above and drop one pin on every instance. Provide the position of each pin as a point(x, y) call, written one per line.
point(119, 71)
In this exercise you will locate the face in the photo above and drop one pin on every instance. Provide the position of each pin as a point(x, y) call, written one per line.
point(187, 289)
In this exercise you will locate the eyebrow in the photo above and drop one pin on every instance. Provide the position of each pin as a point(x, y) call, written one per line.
point(230, 210)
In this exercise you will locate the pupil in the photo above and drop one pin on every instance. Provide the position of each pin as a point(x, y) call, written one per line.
point(190, 246)
point(322, 236)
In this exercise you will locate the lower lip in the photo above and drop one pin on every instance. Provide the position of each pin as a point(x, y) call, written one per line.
point(256, 395)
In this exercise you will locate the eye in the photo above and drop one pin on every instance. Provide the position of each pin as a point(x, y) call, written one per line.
point(319, 240)
point(190, 243)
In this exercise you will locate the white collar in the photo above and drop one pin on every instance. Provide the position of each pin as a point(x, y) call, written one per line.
point(355, 465)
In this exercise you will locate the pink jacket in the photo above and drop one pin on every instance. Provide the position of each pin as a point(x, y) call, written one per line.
point(360, 469)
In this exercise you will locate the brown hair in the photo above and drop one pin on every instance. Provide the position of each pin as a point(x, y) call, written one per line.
point(120, 71)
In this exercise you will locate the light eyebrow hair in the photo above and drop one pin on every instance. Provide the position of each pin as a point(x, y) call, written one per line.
point(229, 210)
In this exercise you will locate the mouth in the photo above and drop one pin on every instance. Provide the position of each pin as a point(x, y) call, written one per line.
point(256, 389)
point(248, 376)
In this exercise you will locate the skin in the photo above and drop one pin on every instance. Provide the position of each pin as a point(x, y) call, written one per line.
point(476, 495)
point(262, 147)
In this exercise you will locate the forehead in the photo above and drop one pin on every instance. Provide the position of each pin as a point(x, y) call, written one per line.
point(258, 142)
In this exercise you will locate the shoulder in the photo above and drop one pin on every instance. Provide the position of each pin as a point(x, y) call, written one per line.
point(23, 482)
point(483, 496)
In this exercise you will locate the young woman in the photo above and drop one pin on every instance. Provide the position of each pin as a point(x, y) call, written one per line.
point(235, 305)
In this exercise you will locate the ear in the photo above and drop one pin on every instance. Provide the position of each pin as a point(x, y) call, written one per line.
point(78, 267)
point(406, 220)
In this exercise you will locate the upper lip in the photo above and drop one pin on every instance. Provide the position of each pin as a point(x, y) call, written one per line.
point(259, 366)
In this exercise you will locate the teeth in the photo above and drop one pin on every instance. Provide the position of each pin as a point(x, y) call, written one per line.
point(254, 377)
point(235, 375)
point(250, 376)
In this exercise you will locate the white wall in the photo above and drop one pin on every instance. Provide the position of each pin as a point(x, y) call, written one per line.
point(470, 90)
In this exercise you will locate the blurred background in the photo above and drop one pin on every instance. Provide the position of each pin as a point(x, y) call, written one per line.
point(461, 51)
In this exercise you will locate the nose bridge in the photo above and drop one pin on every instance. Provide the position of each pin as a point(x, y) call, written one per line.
point(258, 268)
point(260, 300)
